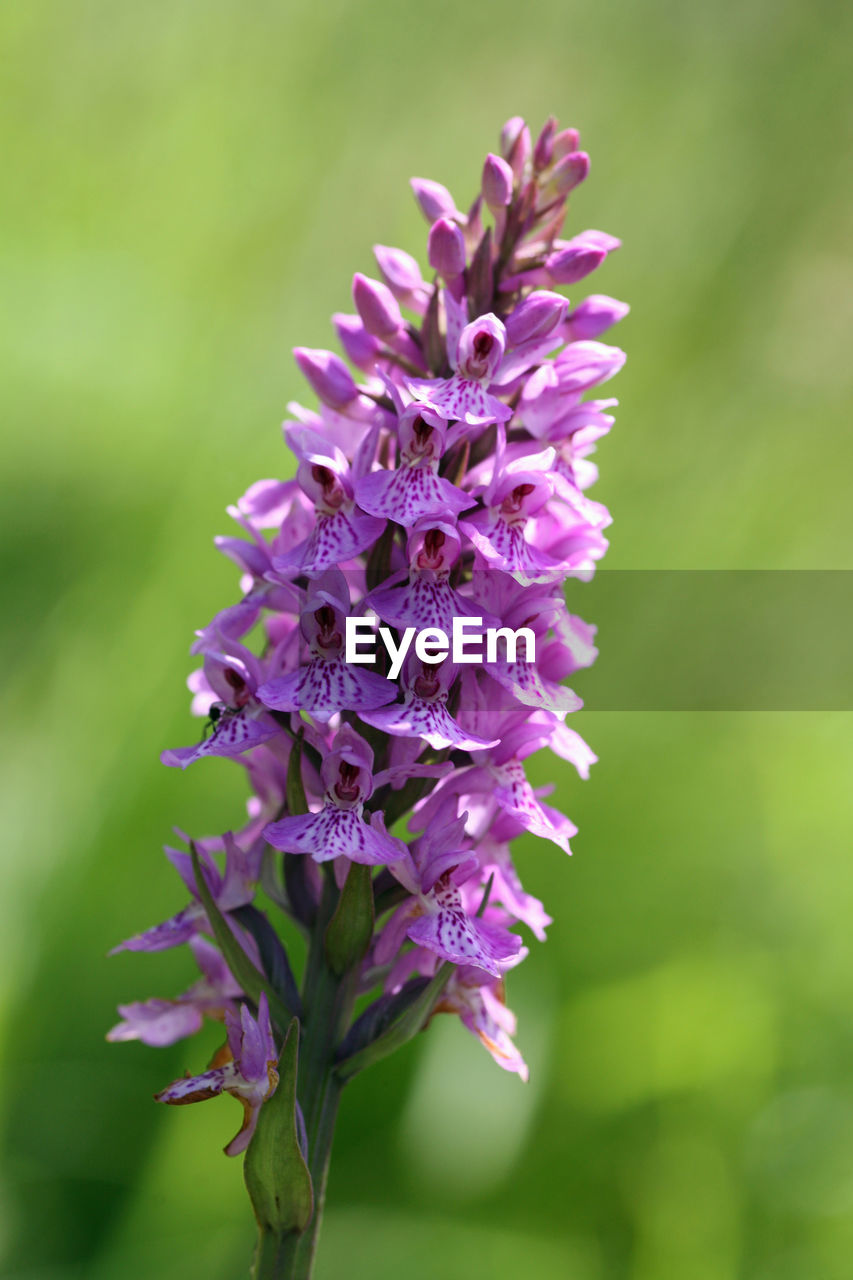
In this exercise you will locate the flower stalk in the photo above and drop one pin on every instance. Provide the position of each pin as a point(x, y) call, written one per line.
point(440, 487)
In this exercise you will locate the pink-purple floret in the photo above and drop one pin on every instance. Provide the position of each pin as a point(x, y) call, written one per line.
point(442, 475)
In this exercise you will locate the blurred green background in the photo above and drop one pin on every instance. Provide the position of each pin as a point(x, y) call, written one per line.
point(188, 188)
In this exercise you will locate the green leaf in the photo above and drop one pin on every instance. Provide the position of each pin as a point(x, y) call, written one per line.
point(273, 955)
point(402, 1030)
point(350, 929)
point(379, 1016)
point(275, 1171)
point(294, 791)
point(270, 881)
point(250, 979)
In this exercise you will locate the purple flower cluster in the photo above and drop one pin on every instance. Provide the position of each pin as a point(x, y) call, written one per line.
point(445, 478)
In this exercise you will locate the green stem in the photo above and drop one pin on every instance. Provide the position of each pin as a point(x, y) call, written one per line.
point(296, 1259)
point(267, 1255)
point(327, 1001)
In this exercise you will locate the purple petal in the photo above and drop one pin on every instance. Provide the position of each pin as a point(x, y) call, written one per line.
point(199, 1088)
point(171, 933)
point(334, 539)
point(490, 1021)
point(505, 546)
point(156, 1022)
point(235, 732)
point(447, 930)
point(325, 687)
point(424, 602)
point(526, 684)
point(515, 795)
point(409, 494)
point(334, 833)
point(459, 399)
point(431, 721)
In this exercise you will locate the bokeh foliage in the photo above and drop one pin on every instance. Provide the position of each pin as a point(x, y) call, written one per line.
point(188, 189)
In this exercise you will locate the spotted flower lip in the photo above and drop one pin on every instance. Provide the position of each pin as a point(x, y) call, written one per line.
point(423, 712)
point(442, 474)
point(436, 918)
point(336, 832)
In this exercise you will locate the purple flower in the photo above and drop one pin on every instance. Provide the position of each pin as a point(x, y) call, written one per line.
point(403, 277)
point(326, 684)
point(341, 530)
point(328, 376)
point(475, 352)
point(443, 476)
point(414, 490)
point(162, 1022)
point(481, 1006)
point(232, 674)
point(423, 712)
point(233, 888)
point(339, 829)
point(497, 183)
point(427, 599)
point(446, 249)
point(436, 917)
point(434, 199)
point(246, 1069)
point(594, 316)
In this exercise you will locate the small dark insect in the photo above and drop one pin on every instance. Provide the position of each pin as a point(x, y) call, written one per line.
point(214, 715)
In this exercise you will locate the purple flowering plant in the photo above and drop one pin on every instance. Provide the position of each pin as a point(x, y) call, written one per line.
point(444, 482)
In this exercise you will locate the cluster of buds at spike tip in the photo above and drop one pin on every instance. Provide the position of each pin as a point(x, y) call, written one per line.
point(443, 475)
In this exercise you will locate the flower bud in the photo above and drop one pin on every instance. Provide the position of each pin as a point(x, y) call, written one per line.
point(544, 149)
point(377, 306)
point(535, 317)
point(446, 248)
point(399, 269)
point(481, 347)
point(520, 155)
point(434, 199)
point(593, 316)
point(360, 347)
point(568, 173)
point(510, 134)
point(585, 364)
point(329, 377)
point(566, 141)
point(572, 263)
point(601, 239)
point(497, 182)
